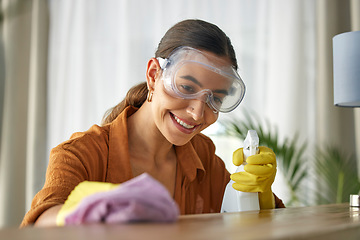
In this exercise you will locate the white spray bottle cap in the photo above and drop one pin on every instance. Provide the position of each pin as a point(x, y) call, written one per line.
point(251, 144)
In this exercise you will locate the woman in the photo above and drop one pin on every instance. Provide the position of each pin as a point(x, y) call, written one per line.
point(156, 129)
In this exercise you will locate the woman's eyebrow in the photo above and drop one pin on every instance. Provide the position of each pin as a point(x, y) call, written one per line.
point(194, 80)
point(222, 91)
point(191, 78)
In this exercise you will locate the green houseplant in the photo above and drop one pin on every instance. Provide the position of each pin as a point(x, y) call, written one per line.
point(336, 175)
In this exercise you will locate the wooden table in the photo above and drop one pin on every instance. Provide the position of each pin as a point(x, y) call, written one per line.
point(338, 221)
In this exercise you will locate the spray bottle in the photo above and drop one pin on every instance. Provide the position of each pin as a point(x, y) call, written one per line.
point(237, 201)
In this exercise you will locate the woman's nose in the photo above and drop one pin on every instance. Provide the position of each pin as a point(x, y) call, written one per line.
point(196, 109)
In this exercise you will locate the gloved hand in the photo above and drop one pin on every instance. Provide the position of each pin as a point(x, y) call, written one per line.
point(139, 199)
point(259, 175)
point(81, 191)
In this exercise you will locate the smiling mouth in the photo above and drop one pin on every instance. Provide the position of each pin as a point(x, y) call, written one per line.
point(185, 125)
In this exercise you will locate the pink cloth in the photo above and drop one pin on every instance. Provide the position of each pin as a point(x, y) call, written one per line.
point(139, 199)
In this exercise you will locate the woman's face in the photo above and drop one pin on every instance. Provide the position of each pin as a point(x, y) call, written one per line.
point(179, 120)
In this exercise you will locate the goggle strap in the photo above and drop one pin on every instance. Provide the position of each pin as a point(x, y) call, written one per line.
point(163, 62)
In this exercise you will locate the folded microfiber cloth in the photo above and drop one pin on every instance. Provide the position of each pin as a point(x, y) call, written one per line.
point(140, 199)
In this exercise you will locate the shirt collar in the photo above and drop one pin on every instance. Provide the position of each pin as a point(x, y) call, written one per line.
point(190, 162)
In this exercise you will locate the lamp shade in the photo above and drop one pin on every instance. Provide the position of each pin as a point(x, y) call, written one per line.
point(346, 59)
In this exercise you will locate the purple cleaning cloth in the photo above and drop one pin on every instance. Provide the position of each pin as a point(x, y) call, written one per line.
point(140, 199)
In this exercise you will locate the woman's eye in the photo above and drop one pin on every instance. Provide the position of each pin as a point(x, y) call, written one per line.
point(218, 100)
point(187, 88)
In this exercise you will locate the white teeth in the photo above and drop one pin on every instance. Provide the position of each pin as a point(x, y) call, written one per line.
point(183, 124)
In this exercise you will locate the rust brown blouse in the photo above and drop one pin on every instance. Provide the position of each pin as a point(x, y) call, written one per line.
point(102, 154)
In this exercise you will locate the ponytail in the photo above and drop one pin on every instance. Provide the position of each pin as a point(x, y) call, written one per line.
point(136, 96)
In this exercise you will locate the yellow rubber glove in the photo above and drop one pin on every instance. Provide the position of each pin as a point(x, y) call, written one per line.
point(259, 175)
point(81, 191)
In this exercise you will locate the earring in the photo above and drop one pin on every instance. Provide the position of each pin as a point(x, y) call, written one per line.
point(149, 96)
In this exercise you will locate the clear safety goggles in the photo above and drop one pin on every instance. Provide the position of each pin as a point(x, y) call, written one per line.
point(192, 74)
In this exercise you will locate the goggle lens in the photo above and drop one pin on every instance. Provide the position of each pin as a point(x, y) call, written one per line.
point(220, 87)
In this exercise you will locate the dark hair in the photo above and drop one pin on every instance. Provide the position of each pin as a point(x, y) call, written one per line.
point(193, 33)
